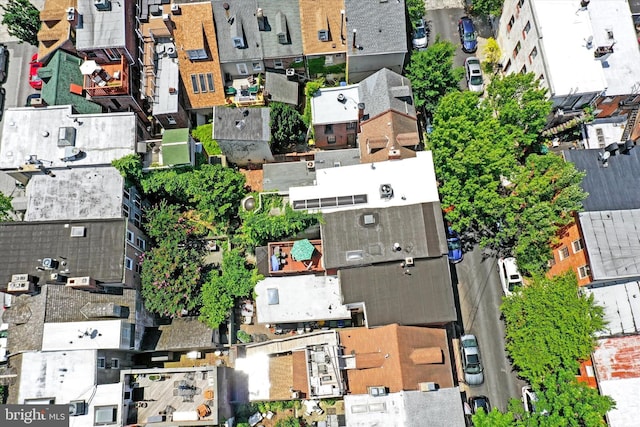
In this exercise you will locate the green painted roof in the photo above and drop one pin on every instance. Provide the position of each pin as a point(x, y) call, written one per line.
point(175, 135)
point(175, 154)
point(62, 70)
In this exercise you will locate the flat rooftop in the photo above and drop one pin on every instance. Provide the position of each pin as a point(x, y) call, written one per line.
point(563, 30)
point(90, 335)
point(412, 181)
point(168, 79)
point(75, 194)
point(303, 298)
point(101, 138)
point(621, 307)
point(327, 109)
point(101, 28)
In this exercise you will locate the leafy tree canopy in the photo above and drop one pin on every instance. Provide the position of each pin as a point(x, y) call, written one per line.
point(495, 418)
point(287, 127)
point(415, 9)
point(487, 7)
point(220, 290)
point(288, 422)
point(130, 167)
point(433, 75)
point(22, 20)
point(550, 326)
point(5, 208)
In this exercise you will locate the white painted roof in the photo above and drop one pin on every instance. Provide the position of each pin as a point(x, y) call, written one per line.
point(623, 73)
point(302, 298)
point(412, 180)
point(563, 33)
point(621, 304)
point(611, 132)
point(102, 137)
point(256, 367)
point(101, 334)
point(75, 194)
point(101, 28)
point(326, 109)
point(168, 76)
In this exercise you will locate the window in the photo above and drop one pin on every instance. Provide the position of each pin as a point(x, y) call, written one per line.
point(563, 253)
point(533, 54)
point(506, 67)
point(517, 49)
point(278, 64)
point(526, 30)
point(212, 87)
point(115, 363)
point(171, 120)
point(126, 194)
point(138, 268)
point(194, 83)
point(328, 129)
point(141, 243)
point(541, 78)
point(105, 415)
point(196, 54)
point(102, 362)
point(523, 70)
point(125, 211)
point(130, 236)
point(128, 263)
point(203, 85)
point(577, 245)
point(331, 139)
point(351, 125)
point(138, 201)
point(511, 22)
point(584, 271)
point(137, 220)
point(242, 69)
point(112, 54)
point(256, 66)
point(551, 262)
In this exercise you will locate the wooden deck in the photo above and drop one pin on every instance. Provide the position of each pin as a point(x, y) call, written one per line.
point(282, 251)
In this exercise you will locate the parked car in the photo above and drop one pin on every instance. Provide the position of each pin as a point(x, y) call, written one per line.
point(477, 402)
point(510, 277)
point(529, 400)
point(4, 62)
point(420, 35)
point(3, 95)
point(454, 245)
point(30, 99)
point(468, 37)
point(34, 80)
point(474, 74)
point(471, 363)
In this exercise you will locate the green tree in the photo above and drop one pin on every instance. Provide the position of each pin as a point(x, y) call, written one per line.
point(22, 20)
point(495, 418)
point(487, 7)
point(310, 90)
point(219, 292)
point(416, 9)
point(550, 327)
point(5, 208)
point(287, 127)
point(130, 167)
point(433, 75)
point(288, 422)
point(204, 135)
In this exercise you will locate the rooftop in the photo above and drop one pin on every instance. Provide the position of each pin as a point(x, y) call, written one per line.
point(241, 124)
point(166, 90)
point(381, 27)
point(281, 176)
point(325, 15)
point(99, 253)
point(100, 28)
point(184, 333)
point(611, 240)
point(390, 295)
point(282, 36)
point(386, 90)
point(75, 194)
point(176, 147)
point(605, 186)
point(391, 135)
point(304, 298)
point(237, 22)
point(63, 70)
point(55, 30)
point(617, 363)
point(52, 133)
point(602, 132)
point(281, 260)
point(622, 75)
point(621, 307)
point(88, 335)
point(26, 317)
point(327, 108)
point(280, 89)
point(572, 67)
point(442, 408)
point(374, 235)
point(412, 181)
point(396, 357)
point(334, 158)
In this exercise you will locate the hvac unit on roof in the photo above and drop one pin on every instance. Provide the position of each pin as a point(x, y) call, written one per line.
point(377, 391)
point(428, 386)
point(290, 72)
point(21, 286)
point(175, 9)
point(311, 165)
point(81, 283)
point(22, 278)
point(386, 192)
point(102, 5)
point(71, 13)
point(77, 407)
point(408, 262)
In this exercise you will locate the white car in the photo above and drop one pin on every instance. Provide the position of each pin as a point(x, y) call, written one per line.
point(474, 74)
point(420, 35)
point(529, 400)
point(510, 277)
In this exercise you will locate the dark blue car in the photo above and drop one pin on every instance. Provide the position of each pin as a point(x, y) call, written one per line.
point(455, 246)
point(468, 36)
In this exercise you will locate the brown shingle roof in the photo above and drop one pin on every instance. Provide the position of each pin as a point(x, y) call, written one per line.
point(194, 16)
point(55, 29)
point(322, 15)
point(397, 357)
point(281, 377)
point(300, 375)
point(388, 131)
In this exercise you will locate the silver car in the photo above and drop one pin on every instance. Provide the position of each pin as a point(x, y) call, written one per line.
point(420, 35)
point(471, 364)
point(474, 74)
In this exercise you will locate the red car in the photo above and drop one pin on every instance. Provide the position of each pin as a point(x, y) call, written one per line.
point(34, 80)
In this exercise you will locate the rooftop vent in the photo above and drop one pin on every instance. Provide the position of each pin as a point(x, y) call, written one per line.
point(50, 263)
point(71, 13)
point(377, 391)
point(67, 136)
point(428, 386)
point(240, 124)
point(386, 192)
point(175, 9)
point(102, 5)
point(342, 98)
point(323, 35)
point(78, 231)
point(311, 165)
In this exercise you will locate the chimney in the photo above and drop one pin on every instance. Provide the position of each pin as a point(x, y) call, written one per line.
point(360, 111)
point(166, 17)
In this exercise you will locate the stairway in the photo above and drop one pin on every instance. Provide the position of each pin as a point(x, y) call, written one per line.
point(631, 121)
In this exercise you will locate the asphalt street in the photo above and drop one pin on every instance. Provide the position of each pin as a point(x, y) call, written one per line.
point(480, 296)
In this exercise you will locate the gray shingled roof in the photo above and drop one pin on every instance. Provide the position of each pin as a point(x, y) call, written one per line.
point(349, 241)
point(241, 124)
point(239, 19)
point(26, 319)
point(72, 305)
point(611, 239)
point(423, 296)
point(381, 26)
point(281, 176)
point(281, 15)
point(186, 333)
point(98, 254)
point(386, 90)
point(280, 89)
point(330, 158)
point(608, 187)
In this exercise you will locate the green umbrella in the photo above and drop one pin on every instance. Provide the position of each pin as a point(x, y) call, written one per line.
point(302, 250)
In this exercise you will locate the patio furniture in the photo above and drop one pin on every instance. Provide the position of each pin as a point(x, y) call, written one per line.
point(203, 411)
point(253, 90)
point(230, 90)
point(208, 394)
